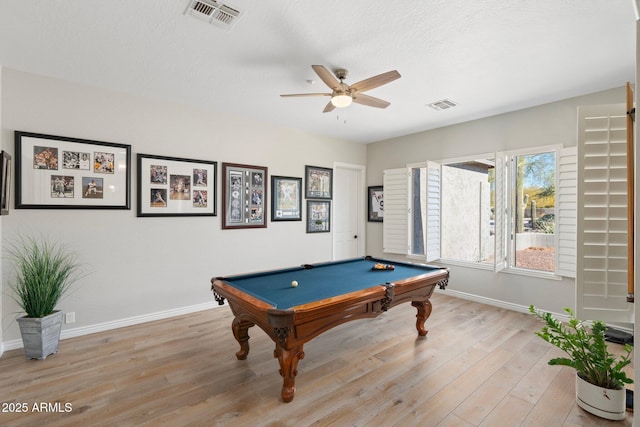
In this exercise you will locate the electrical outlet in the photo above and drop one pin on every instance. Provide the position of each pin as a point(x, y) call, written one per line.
point(70, 317)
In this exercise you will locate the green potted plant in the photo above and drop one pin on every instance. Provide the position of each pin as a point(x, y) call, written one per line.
point(600, 376)
point(44, 274)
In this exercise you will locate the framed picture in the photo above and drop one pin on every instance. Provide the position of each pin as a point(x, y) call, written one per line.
point(318, 216)
point(5, 183)
point(319, 182)
point(376, 204)
point(286, 198)
point(173, 186)
point(244, 195)
point(56, 172)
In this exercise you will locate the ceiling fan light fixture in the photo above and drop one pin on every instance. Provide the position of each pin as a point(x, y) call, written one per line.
point(343, 95)
point(341, 100)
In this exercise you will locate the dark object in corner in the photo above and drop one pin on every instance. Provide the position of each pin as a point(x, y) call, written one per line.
point(618, 337)
point(629, 400)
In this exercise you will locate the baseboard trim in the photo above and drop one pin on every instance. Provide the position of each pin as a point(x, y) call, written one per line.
point(498, 303)
point(121, 323)
point(563, 317)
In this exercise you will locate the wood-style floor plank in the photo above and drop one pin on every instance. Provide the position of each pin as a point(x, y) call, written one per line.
point(478, 366)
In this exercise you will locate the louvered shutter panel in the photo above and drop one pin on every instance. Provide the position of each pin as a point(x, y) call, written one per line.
point(395, 227)
point(434, 181)
point(602, 261)
point(500, 212)
point(566, 211)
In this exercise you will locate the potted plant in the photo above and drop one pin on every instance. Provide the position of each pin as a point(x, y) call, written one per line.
point(600, 376)
point(44, 274)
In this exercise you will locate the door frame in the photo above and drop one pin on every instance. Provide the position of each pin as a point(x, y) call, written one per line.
point(361, 206)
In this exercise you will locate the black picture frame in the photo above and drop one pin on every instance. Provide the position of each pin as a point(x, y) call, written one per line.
point(318, 182)
point(52, 172)
point(318, 216)
point(286, 198)
point(375, 203)
point(244, 196)
point(175, 186)
point(5, 183)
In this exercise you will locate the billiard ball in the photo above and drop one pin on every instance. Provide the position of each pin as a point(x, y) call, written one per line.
point(294, 284)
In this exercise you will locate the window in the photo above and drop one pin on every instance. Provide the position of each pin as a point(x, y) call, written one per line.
point(468, 227)
point(418, 210)
point(588, 201)
point(424, 210)
point(451, 211)
point(498, 211)
point(466, 200)
point(532, 194)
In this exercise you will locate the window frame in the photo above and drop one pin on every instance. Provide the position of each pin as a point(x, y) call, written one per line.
point(509, 226)
point(459, 262)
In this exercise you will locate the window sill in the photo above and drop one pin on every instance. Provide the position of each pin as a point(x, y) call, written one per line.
point(490, 267)
point(478, 265)
point(532, 273)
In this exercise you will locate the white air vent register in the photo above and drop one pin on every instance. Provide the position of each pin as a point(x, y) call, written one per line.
point(213, 12)
point(443, 104)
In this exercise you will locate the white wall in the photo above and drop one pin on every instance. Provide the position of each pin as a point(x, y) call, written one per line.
point(548, 124)
point(141, 266)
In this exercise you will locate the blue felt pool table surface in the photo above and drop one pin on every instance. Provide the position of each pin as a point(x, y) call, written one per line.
point(323, 281)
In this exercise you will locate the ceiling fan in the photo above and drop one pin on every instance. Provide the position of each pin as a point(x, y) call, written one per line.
point(342, 94)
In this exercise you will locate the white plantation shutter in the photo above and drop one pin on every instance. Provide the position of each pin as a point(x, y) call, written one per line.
point(602, 221)
point(566, 211)
point(395, 226)
point(434, 184)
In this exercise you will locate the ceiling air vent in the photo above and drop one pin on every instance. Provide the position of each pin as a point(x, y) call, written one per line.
point(443, 104)
point(213, 12)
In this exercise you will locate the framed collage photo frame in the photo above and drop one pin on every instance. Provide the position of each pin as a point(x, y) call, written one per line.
point(318, 216)
point(174, 186)
point(5, 183)
point(319, 182)
point(286, 198)
point(57, 172)
point(376, 204)
point(244, 195)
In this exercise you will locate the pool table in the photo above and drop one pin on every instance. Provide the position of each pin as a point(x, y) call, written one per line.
point(326, 295)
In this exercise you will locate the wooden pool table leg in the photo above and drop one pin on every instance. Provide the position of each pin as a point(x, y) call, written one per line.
point(241, 332)
point(424, 311)
point(288, 360)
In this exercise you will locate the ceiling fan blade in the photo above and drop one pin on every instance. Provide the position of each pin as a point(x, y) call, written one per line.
point(327, 77)
point(375, 81)
point(288, 95)
point(370, 101)
point(330, 107)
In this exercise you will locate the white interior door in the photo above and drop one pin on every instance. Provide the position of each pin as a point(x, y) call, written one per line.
point(348, 211)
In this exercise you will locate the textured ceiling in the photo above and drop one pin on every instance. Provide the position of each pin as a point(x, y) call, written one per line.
point(488, 56)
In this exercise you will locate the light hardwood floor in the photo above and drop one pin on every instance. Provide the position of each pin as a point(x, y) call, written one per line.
point(478, 366)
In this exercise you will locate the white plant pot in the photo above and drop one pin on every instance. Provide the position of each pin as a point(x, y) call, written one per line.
point(40, 336)
point(603, 402)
